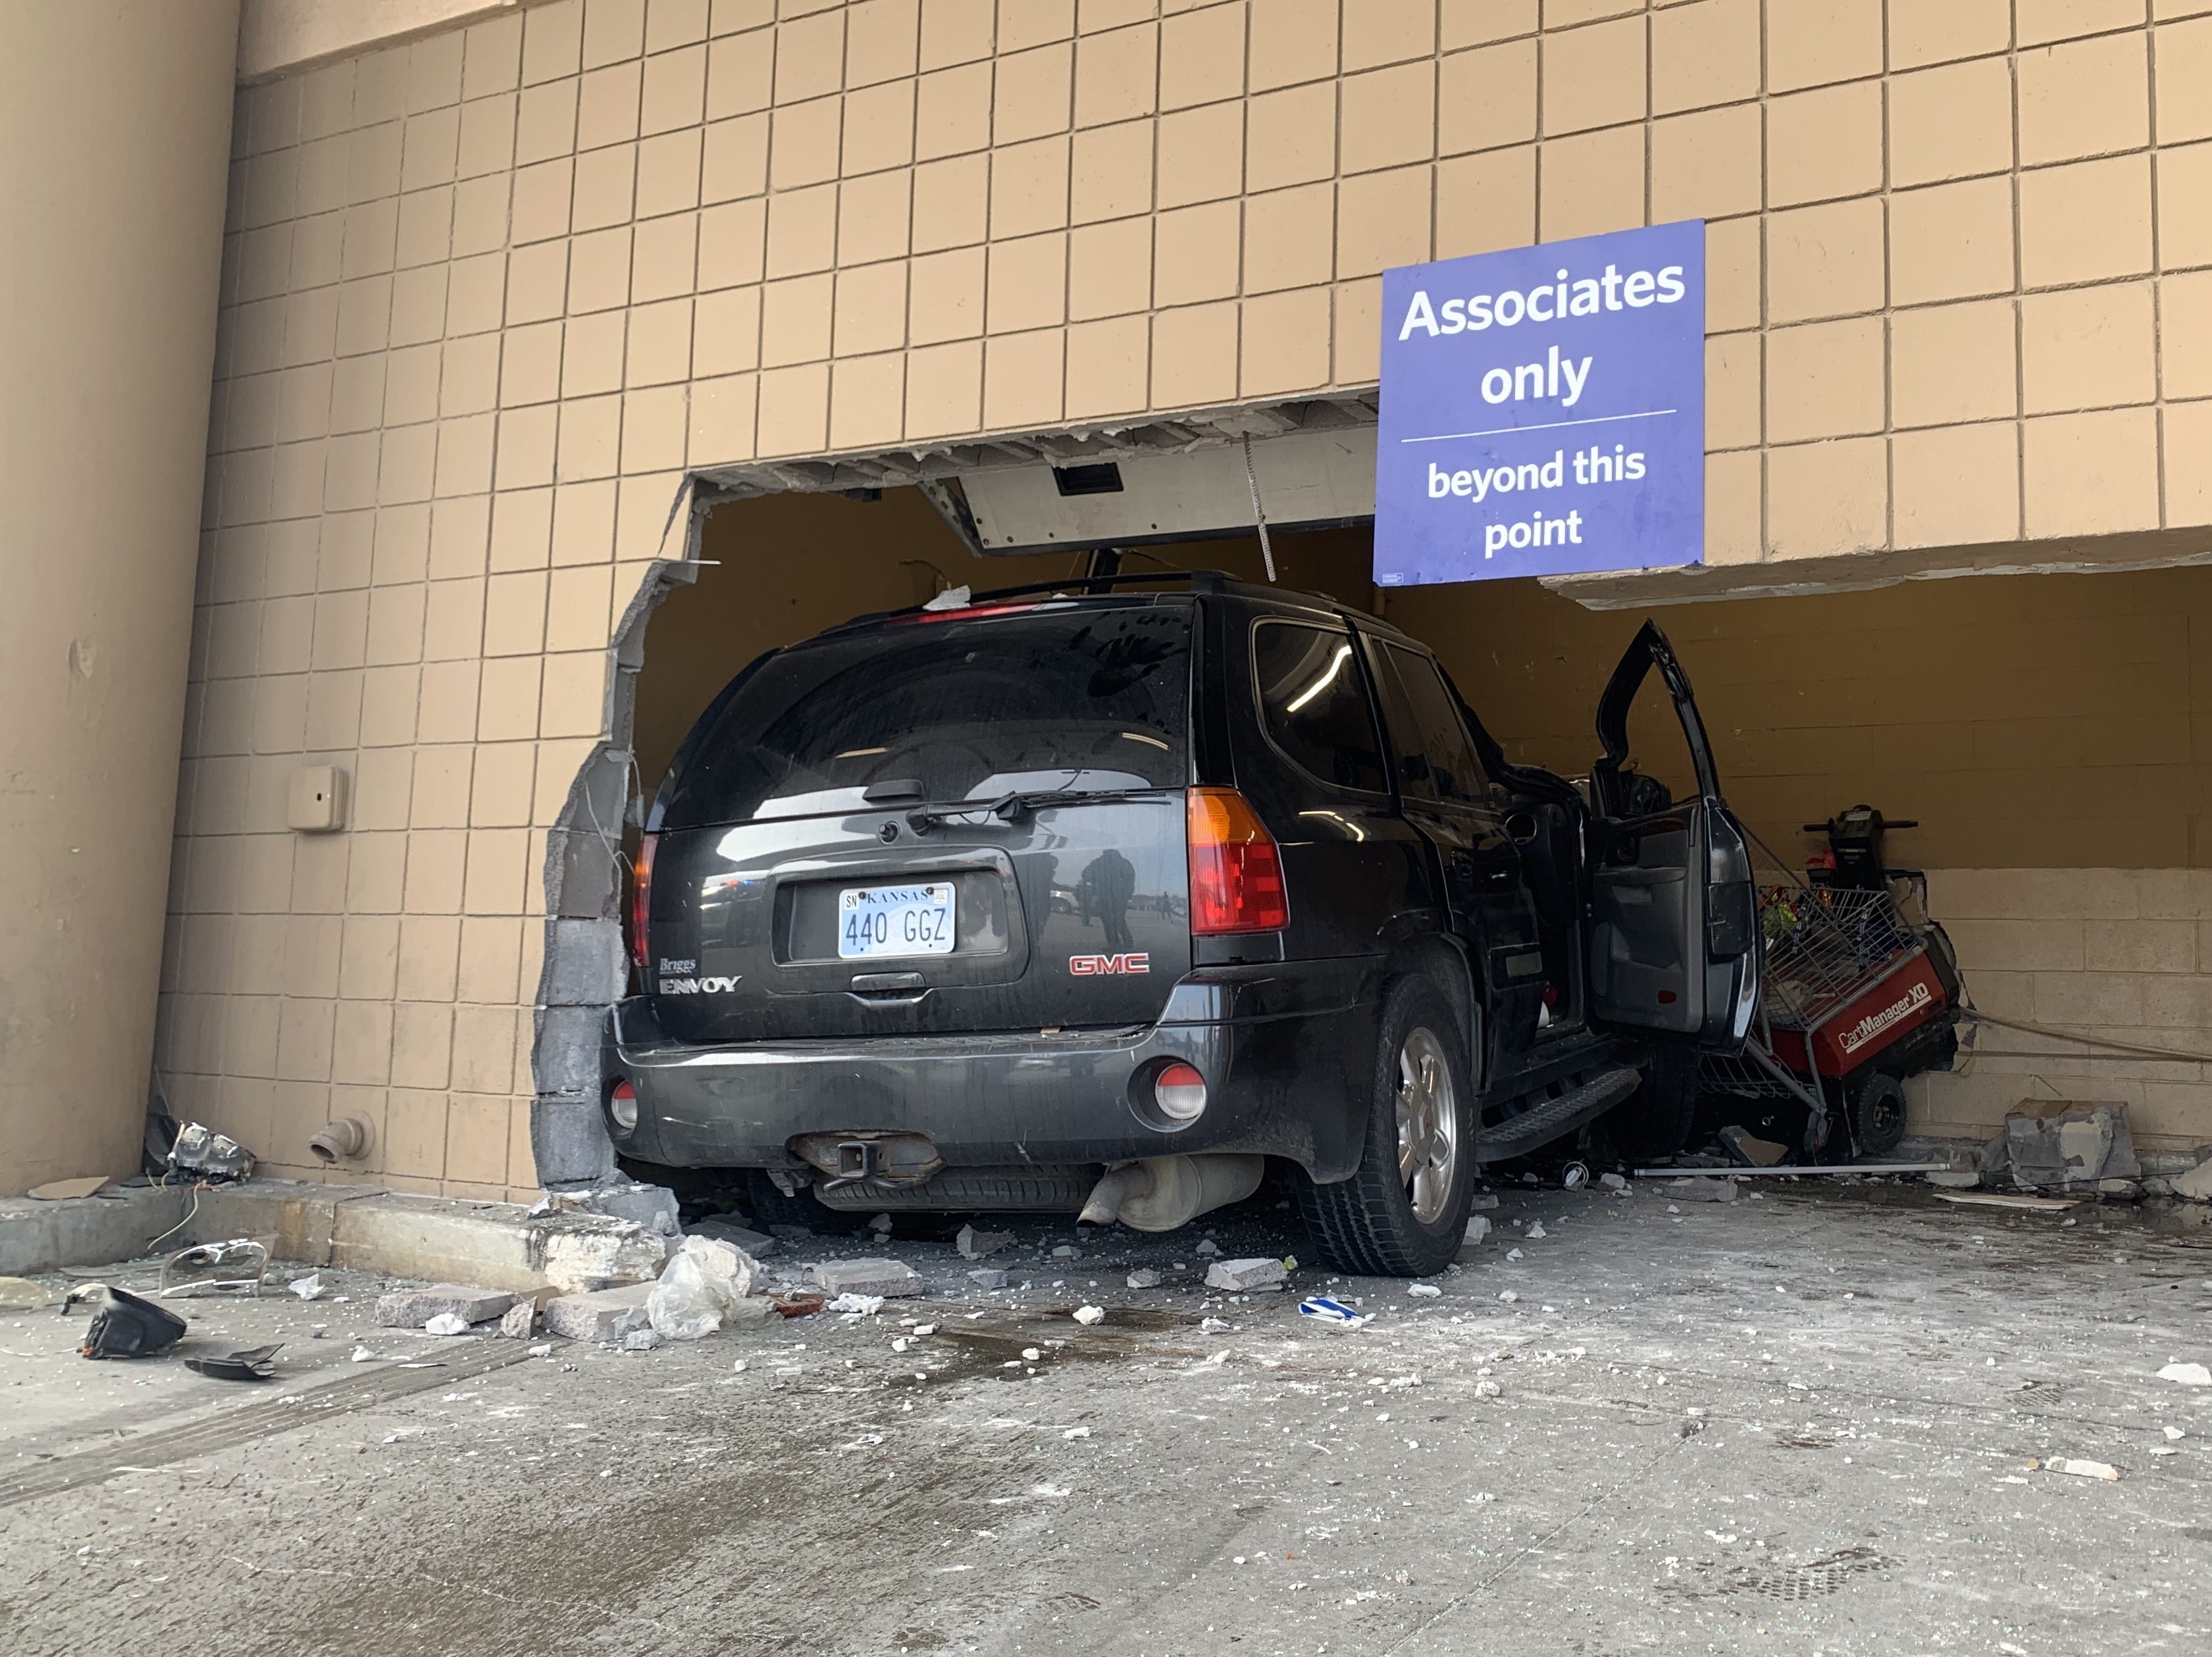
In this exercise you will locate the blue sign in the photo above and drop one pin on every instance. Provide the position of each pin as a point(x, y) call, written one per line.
point(1544, 410)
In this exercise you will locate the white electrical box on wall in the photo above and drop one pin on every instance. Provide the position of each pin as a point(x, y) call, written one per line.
point(1306, 479)
point(317, 804)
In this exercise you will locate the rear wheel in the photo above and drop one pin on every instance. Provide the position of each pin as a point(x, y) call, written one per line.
point(1404, 1213)
point(770, 1207)
point(1878, 1114)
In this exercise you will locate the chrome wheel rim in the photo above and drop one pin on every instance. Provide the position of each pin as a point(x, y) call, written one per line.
point(1428, 1125)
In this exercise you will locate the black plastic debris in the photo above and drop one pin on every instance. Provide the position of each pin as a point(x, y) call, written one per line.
point(125, 1327)
point(254, 1364)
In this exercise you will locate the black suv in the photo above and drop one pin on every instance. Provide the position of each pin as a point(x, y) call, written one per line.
point(1094, 901)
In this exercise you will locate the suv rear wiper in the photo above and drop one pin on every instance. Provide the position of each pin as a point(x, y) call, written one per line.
point(1015, 806)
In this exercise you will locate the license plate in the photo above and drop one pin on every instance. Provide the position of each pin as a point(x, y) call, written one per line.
point(886, 920)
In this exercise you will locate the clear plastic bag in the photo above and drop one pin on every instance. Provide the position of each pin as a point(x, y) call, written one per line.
point(706, 1284)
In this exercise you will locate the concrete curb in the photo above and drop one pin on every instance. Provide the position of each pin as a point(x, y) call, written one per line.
point(497, 1245)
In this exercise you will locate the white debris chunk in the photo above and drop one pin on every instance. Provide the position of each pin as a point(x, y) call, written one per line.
point(2186, 1375)
point(1246, 1277)
point(309, 1287)
point(1422, 1291)
point(362, 1354)
point(1536, 1232)
point(1087, 1315)
point(1512, 1254)
point(1077, 1432)
point(858, 1306)
point(1208, 1248)
point(2079, 1468)
point(1144, 1278)
point(1213, 1327)
point(542, 1350)
point(1488, 1389)
point(1508, 1296)
point(446, 1323)
point(1031, 1355)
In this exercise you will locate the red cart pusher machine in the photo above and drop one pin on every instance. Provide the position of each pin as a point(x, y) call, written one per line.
point(1861, 991)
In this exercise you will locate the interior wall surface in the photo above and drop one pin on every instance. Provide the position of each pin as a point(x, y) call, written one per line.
point(2052, 734)
point(488, 296)
point(114, 122)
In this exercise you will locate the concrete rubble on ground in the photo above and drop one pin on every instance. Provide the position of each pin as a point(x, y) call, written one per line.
point(975, 1245)
point(1698, 1190)
point(411, 1309)
point(2186, 1375)
point(2060, 1145)
point(988, 1277)
point(579, 1254)
point(2196, 1184)
point(893, 1279)
point(520, 1322)
point(1244, 1277)
point(1145, 1278)
point(596, 1314)
point(653, 1206)
point(758, 1244)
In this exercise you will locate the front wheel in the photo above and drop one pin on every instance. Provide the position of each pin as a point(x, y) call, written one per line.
point(1404, 1212)
point(1878, 1114)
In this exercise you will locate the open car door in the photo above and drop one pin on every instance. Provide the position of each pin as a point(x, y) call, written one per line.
point(1673, 940)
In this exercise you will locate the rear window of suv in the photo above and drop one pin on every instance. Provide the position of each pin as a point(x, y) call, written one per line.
point(1053, 698)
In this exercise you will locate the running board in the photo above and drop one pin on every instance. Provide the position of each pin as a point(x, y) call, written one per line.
point(1548, 1119)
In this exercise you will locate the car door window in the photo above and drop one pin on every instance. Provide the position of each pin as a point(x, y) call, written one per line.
point(1453, 771)
point(1401, 726)
point(1313, 701)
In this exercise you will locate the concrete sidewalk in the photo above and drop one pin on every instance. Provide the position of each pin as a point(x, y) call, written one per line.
point(1805, 1423)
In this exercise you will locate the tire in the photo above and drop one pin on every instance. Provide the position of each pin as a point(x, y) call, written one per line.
point(771, 1207)
point(1877, 1114)
point(1654, 1122)
point(1403, 1214)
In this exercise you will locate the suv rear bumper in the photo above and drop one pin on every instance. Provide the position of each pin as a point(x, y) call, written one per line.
point(1287, 1048)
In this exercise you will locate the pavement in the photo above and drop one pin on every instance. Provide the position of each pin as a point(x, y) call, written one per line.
point(1810, 1422)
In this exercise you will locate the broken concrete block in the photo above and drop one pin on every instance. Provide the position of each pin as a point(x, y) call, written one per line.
point(446, 1323)
point(1613, 1181)
point(758, 1244)
point(975, 1245)
point(2196, 1183)
point(640, 1340)
point(1244, 1277)
point(892, 1279)
point(410, 1308)
point(1087, 1315)
point(990, 1276)
point(584, 1253)
point(594, 1315)
point(1700, 1190)
point(1754, 1150)
point(1145, 1278)
point(520, 1322)
point(2057, 1142)
point(2186, 1375)
point(653, 1206)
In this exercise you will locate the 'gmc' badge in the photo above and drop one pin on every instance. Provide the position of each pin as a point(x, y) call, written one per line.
point(1092, 965)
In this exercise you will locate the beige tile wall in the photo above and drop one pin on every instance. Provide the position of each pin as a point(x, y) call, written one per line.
point(2121, 954)
point(489, 294)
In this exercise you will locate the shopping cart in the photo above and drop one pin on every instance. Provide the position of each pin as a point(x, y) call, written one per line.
point(1861, 991)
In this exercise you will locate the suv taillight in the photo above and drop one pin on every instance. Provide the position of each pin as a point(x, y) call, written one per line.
point(640, 904)
point(1235, 872)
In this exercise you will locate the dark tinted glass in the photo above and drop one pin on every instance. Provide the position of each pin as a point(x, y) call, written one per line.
point(1055, 697)
point(1315, 702)
point(1454, 773)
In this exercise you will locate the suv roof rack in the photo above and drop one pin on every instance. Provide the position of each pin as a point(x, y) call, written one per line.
point(1094, 586)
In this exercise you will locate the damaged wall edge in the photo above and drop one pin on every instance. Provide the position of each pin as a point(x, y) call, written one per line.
point(586, 965)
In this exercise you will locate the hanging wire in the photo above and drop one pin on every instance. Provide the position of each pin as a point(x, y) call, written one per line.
point(1259, 517)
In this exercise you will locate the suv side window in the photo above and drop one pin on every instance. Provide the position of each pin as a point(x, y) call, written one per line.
point(1314, 703)
point(1454, 773)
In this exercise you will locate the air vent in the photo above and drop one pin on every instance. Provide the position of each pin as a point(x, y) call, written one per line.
point(1104, 478)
